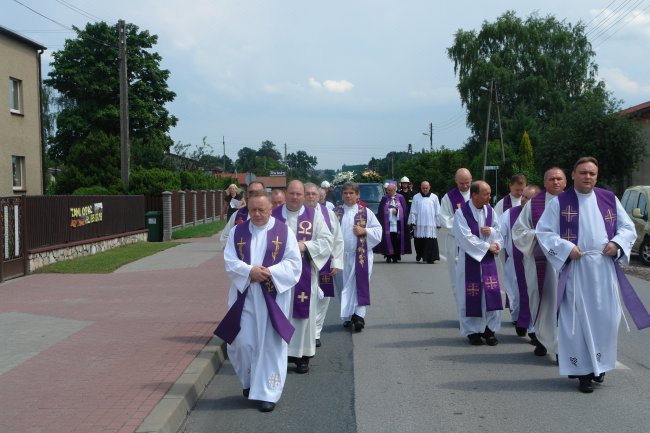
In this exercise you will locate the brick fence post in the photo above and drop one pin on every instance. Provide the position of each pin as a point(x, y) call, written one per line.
point(204, 193)
point(194, 210)
point(167, 215)
point(181, 198)
point(212, 205)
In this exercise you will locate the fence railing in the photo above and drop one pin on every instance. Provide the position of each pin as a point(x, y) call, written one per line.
point(63, 219)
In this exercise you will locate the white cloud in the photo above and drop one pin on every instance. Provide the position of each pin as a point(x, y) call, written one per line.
point(618, 81)
point(331, 86)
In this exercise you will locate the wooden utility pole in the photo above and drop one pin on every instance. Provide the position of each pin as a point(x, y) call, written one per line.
point(125, 165)
point(430, 134)
point(223, 138)
point(493, 90)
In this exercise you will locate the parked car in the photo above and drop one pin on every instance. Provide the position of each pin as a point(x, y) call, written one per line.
point(370, 193)
point(636, 201)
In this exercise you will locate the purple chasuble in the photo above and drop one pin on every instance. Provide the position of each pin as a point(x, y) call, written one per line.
point(242, 215)
point(386, 245)
point(276, 240)
point(507, 203)
point(456, 198)
point(325, 280)
point(523, 321)
point(302, 292)
point(569, 224)
point(480, 277)
point(361, 270)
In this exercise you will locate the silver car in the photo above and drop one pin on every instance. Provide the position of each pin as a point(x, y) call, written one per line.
point(636, 201)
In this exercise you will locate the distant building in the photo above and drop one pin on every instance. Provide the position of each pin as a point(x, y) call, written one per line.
point(641, 114)
point(21, 139)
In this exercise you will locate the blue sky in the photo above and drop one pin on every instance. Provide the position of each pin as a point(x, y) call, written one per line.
point(342, 80)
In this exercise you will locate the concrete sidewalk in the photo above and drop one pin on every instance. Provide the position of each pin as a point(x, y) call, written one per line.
point(112, 353)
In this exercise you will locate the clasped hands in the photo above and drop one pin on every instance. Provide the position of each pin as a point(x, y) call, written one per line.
point(611, 249)
point(259, 274)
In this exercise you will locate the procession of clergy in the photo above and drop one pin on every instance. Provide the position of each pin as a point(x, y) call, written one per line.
point(555, 253)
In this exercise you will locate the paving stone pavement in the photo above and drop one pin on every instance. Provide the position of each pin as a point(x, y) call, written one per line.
point(97, 353)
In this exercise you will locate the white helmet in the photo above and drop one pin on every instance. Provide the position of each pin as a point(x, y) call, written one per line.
point(325, 184)
point(404, 180)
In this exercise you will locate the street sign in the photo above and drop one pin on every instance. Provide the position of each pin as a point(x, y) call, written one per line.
point(491, 167)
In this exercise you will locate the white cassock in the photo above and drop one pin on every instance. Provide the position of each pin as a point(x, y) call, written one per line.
point(258, 354)
point(337, 262)
point(509, 278)
point(226, 230)
point(498, 208)
point(446, 220)
point(477, 248)
point(303, 342)
point(424, 214)
point(349, 304)
point(590, 311)
point(545, 322)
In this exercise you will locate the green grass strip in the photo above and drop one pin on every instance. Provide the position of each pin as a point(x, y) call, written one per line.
point(199, 231)
point(107, 261)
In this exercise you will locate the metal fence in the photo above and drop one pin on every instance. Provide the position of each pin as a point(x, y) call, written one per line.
point(63, 219)
point(189, 207)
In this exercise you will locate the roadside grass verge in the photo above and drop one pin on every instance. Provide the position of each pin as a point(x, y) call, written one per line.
point(199, 231)
point(107, 261)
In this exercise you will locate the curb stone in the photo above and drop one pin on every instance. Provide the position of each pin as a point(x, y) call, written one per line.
point(172, 410)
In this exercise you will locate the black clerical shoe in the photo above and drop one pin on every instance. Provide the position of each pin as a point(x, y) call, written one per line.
point(246, 392)
point(475, 339)
point(490, 338)
point(585, 384)
point(540, 349)
point(388, 259)
point(600, 378)
point(346, 324)
point(521, 332)
point(417, 259)
point(267, 406)
point(302, 366)
point(318, 344)
point(358, 322)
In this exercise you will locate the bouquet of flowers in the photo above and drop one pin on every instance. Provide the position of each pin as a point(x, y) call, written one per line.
point(342, 177)
point(370, 175)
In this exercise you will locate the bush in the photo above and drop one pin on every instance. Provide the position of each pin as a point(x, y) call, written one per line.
point(91, 190)
point(153, 181)
point(197, 180)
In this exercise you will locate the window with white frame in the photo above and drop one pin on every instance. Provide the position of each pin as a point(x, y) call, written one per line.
point(15, 95)
point(18, 170)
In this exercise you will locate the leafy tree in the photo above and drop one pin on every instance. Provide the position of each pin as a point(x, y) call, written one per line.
point(85, 75)
point(246, 160)
point(153, 181)
point(301, 165)
point(268, 150)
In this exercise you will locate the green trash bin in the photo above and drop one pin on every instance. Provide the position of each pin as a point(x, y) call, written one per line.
point(154, 226)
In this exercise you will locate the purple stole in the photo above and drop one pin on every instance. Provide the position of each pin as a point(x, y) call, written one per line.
point(456, 198)
point(507, 203)
point(480, 277)
point(400, 204)
point(569, 224)
point(242, 215)
point(325, 280)
point(302, 292)
point(523, 321)
point(537, 206)
point(276, 240)
point(361, 270)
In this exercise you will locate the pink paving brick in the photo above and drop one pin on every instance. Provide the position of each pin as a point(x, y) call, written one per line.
point(141, 331)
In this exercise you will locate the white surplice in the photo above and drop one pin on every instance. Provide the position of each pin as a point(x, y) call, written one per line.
point(590, 311)
point(349, 304)
point(446, 220)
point(337, 262)
point(424, 214)
point(543, 312)
point(319, 248)
point(476, 247)
point(258, 354)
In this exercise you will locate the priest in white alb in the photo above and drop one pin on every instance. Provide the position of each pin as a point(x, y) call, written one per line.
point(585, 233)
point(263, 263)
point(424, 220)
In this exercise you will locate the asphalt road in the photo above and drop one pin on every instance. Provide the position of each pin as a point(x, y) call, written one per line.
point(411, 371)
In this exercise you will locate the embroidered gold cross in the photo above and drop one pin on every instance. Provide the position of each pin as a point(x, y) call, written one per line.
point(472, 289)
point(568, 236)
point(610, 218)
point(302, 297)
point(325, 278)
point(277, 244)
point(241, 244)
point(491, 283)
point(568, 214)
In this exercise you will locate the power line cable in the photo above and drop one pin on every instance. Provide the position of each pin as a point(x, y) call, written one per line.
point(599, 13)
point(610, 15)
point(604, 31)
point(617, 30)
point(80, 11)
